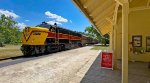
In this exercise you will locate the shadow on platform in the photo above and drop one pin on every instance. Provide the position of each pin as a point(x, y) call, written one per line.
point(96, 74)
point(138, 73)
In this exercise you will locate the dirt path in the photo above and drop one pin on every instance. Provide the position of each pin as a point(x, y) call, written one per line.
point(57, 68)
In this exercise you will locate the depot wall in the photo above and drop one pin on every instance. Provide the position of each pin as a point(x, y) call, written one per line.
point(139, 25)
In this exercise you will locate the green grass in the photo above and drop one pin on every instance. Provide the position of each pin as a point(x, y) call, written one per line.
point(98, 47)
point(10, 51)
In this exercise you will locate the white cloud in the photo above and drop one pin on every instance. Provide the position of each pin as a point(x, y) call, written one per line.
point(8, 13)
point(56, 17)
point(52, 22)
point(21, 25)
point(27, 20)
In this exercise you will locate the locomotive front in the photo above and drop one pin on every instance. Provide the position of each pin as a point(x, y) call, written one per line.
point(33, 39)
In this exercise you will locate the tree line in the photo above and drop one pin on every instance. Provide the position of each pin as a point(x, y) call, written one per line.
point(9, 31)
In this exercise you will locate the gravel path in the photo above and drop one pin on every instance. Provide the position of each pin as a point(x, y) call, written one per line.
point(56, 68)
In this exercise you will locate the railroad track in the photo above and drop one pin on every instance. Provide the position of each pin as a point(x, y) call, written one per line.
point(19, 59)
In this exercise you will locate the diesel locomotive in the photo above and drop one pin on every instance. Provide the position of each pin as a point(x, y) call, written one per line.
point(45, 38)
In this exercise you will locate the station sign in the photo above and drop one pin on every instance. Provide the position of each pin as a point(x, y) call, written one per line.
point(106, 60)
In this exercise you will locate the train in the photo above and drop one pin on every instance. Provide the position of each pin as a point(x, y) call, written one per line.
point(46, 38)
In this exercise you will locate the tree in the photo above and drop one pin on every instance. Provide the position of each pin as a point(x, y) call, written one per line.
point(105, 39)
point(93, 33)
point(9, 32)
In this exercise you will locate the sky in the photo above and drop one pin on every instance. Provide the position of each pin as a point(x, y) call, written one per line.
point(33, 12)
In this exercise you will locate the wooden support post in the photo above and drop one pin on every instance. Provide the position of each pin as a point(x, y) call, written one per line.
point(115, 36)
point(125, 12)
point(111, 41)
point(115, 48)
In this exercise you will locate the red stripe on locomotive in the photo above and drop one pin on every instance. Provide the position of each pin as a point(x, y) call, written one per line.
point(74, 37)
point(51, 34)
point(63, 36)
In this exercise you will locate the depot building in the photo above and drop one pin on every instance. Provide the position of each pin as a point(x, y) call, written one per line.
point(128, 24)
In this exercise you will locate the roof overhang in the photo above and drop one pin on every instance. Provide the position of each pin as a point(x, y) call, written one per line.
point(101, 13)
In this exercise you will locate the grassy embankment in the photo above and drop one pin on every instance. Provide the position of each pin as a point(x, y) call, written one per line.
point(10, 51)
point(100, 47)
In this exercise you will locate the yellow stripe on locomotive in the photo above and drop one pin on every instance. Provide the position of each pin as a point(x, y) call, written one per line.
point(34, 36)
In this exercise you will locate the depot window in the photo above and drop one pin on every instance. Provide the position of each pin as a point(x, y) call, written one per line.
point(137, 41)
point(148, 43)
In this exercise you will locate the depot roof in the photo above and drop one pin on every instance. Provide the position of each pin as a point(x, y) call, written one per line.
point(99, 12)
